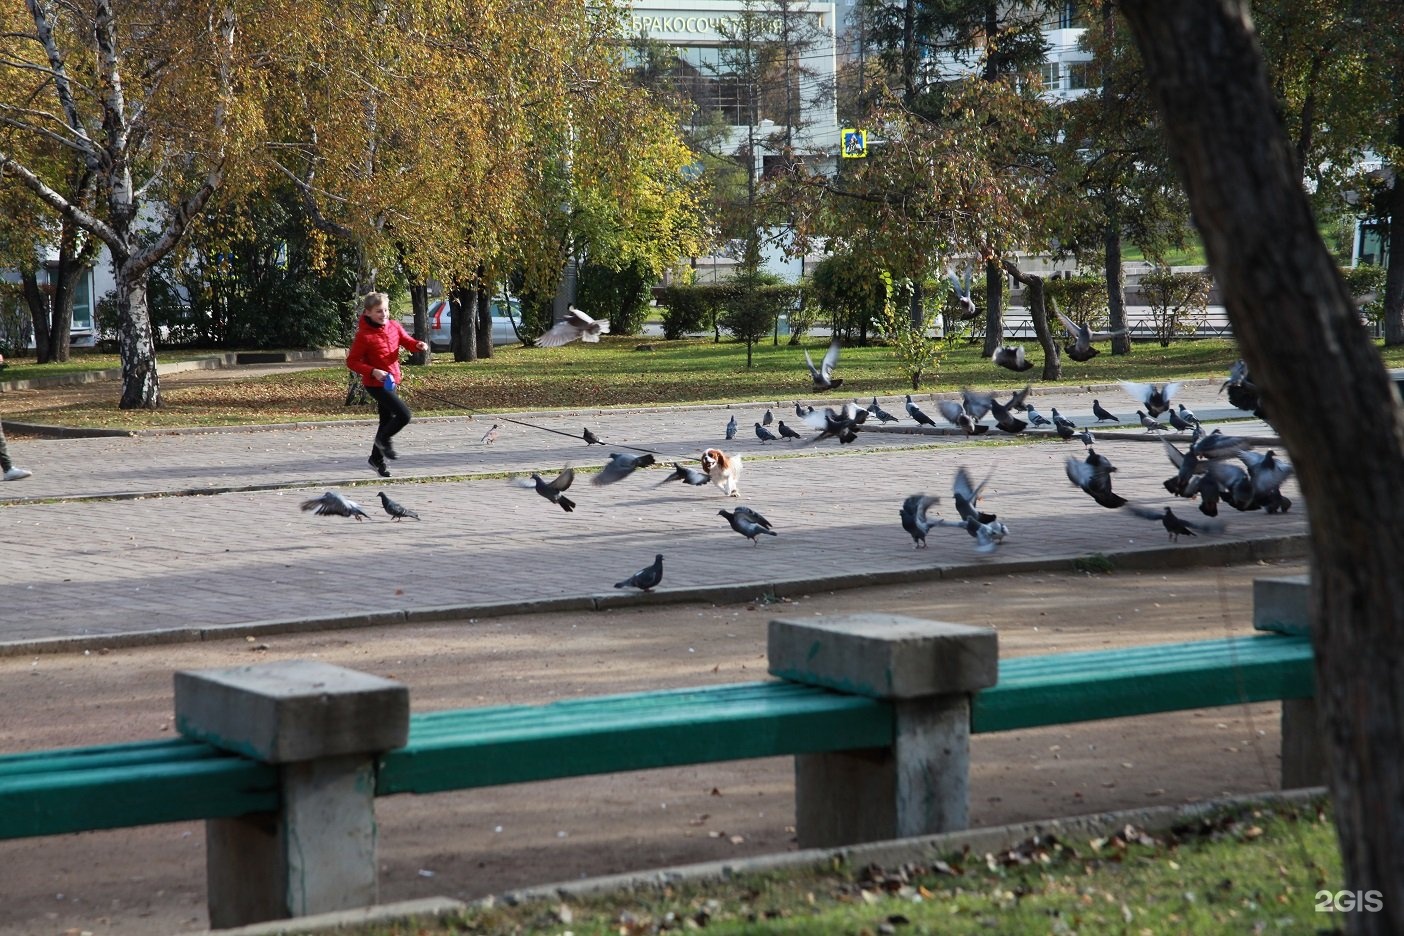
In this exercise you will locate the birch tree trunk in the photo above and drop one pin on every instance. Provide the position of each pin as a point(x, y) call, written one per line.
point(1302, 341)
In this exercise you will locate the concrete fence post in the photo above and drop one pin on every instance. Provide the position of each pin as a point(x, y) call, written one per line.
point(928, 670)
point(1283, 605)
point(323, 726)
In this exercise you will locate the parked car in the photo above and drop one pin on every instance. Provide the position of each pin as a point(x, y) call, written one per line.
point(505, 320)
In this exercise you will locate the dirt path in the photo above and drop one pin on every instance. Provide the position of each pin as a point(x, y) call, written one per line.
point(467, 845)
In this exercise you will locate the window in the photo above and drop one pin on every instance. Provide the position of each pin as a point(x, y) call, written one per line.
point(1082, 75)
point(83, 302)
point(1048, 72)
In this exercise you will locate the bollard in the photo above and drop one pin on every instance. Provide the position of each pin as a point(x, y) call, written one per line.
point(1283, 605)
point(927, 670)
point(323, 726)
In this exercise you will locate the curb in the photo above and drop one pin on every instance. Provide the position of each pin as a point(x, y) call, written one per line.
point(1185, 556)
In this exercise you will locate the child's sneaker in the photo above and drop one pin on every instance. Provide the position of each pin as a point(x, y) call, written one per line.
point(16, 474)
point(379, 465)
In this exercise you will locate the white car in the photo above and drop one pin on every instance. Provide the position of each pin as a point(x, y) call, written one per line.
point(441, 323)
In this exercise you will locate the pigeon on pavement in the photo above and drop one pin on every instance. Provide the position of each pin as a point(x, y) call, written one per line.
point(956, 415)
point(645, 578)
point(914, 520)
point(553, 491)
point(1035, 417)
point(1102, 413)
point(787, 433)
point(986, 528)
point(823, 376)
point(841, 423)
point(590, 438)
point(882, 415)
point(915, 412)
point(764, 434)
point(768, 418)
point(1177, 526)
point(575, 325)
point(748, 523)
point(332, 504)
point(1093, 476)
point(1005, 420)
point(490, 436)
point(398, 511)
point(731, 428)
point(1150, 424)
point(620, 466)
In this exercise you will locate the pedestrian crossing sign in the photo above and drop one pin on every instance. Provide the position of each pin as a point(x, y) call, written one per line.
point(855, 144)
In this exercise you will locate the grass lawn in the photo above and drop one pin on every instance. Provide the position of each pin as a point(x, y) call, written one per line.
point(616, 372)
point(1256, 871)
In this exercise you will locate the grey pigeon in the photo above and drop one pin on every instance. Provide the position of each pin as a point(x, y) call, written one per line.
point(1242, 392)
point(986, 528)
point(731, 428)
point(395, 510)
point(956, 415)
point(1156, 397)
point(976, 404)
point(1177, 526)
point(1005, 420)
point(1102, 413)
point(913, 514)
point(332, 504)
point(1011, 357)
point(882, 415)
point(963, 296)
point(575, 325)
point(786, 432)
point(686, 475)
point(764, 434)
point(841, 423)
point(490, 436)
point(620, 466)
point(1093, 476)
point(1035, 417)
point(823, 375)
point(748, 523)
point(1059, 420)
point(1020, 399)
point(1081, 349)
point(768, 418)
point(1150, 424)
point(590, 438)
point(645, 578)
point(1187, 415)
point(1177, 422)
point(802, 411)
point(554, 491)
point(915, 412)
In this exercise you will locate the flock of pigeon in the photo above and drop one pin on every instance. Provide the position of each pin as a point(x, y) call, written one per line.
point(1215, 468)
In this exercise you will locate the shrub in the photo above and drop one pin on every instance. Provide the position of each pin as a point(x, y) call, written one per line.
point(1366, 283)
point(1082, 298)
point(1178, 302)
point(625, 293)
point(686, 309)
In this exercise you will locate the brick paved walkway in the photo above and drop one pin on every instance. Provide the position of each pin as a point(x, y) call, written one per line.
point(134, 560)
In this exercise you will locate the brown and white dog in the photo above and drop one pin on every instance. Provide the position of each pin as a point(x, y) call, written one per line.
point(724, 470)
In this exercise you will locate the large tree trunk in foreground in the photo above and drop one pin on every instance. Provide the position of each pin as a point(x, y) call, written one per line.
point(1299, 333)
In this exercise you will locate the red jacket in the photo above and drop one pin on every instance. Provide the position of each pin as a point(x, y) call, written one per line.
point(377, 347)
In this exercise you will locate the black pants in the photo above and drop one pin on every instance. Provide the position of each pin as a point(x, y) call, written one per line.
point(394, 416)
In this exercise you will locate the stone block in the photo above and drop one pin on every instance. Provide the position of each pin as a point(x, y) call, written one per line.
point(884, 656)
point(1282, 605)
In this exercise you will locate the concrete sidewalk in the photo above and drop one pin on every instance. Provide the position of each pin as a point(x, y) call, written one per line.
point(100, 552)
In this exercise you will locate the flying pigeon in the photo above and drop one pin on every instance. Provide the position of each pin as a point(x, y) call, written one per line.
point(575, 325)
point(1177, 526)
point(1019, 400)
point(987, 530)
point(914, 520)
point(1242, 392)
point(1150, 424)
point(787, 433)
point(916, 413)
point(645, 578)
point(332, 504)
point(963, 295)
point(1093, 476)
point(748, 523)
point(1217, 445)
point(553, 491)
point(1081, 349)
point(764, 434)
point(490, 436)
point(395, 510)
point(1156, 397)
point(768, 418)
point(1005, 420)
point(590, 438)
point(686, 475)
point(620, 466)
point(956, 415)
point(976, 404)
point(1102, 413)
point(731, 428)
point(1011, 357)
point(882, 415)
point(823, 377)
point(841, 423)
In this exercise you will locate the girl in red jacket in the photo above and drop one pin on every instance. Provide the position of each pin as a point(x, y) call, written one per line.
point(375, 355)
